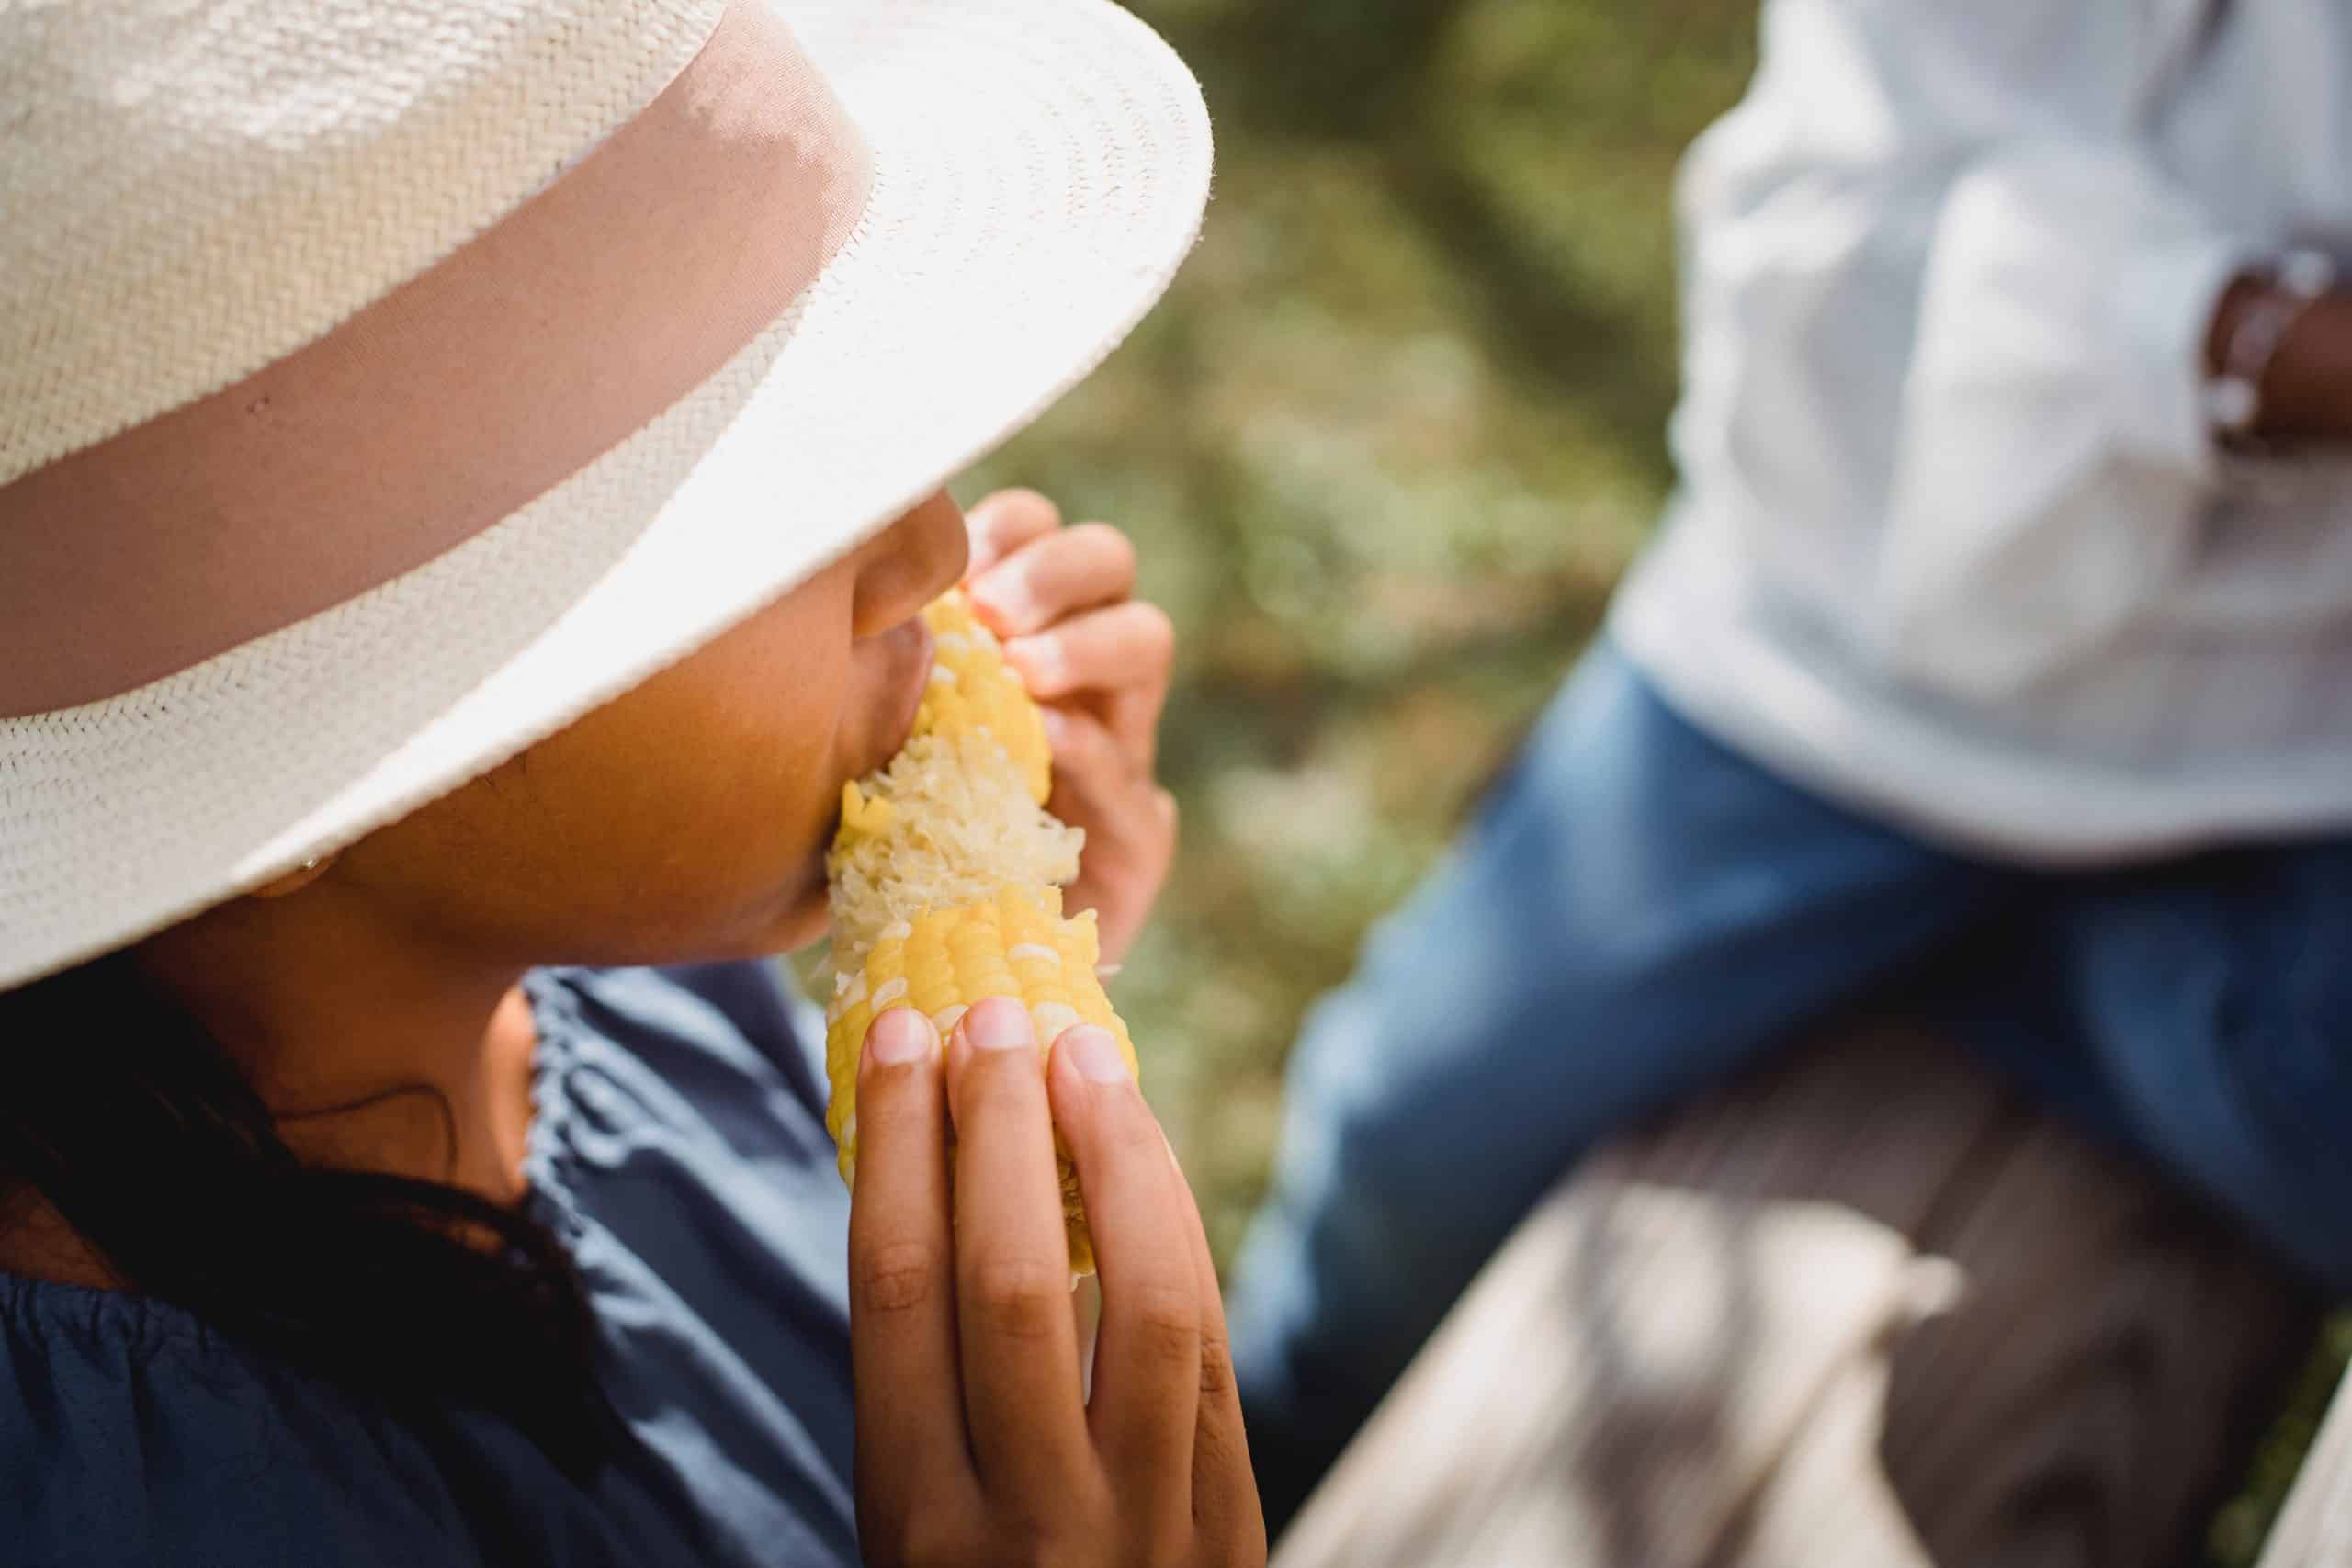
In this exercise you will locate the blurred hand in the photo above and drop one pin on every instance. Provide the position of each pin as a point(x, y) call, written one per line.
point(1062, 600)
point(2307, 389)
point(975, 1445)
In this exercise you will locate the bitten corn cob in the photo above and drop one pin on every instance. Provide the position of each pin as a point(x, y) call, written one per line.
point(945, 882)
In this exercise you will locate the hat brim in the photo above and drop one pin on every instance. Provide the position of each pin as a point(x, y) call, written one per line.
point(1040, 171)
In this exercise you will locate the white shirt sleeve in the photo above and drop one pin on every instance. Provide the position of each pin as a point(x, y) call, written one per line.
point(1939, 289)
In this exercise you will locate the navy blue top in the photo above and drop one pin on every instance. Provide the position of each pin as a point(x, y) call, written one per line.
point(679, 1149)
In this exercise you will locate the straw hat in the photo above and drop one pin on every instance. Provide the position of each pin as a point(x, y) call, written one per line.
point(385, 383)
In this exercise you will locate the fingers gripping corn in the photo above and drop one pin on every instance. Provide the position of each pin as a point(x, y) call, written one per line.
point(1018, 945)
point(945, 882)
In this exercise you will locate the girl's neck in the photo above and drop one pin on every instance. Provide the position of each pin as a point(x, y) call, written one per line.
point(36, 1243)
point(374, 1047)
point(466, 1127)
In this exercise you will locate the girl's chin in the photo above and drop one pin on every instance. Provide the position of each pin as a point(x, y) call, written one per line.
point(779, 932)
point(808, 921)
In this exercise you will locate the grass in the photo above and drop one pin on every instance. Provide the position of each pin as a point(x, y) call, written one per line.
point(1386, 449)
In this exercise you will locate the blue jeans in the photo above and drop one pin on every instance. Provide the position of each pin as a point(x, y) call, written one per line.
point(1638, 911)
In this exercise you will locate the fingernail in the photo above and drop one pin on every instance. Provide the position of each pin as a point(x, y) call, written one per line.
point(1094, 1053)
point(1003, 594)
point(900, 1036)
point(999, 1024)
point(1040, 658)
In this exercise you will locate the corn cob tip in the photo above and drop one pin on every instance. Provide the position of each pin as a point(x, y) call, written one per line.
point(974, 692)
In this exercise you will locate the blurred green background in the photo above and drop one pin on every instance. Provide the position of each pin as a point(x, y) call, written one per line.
point(1386, 449)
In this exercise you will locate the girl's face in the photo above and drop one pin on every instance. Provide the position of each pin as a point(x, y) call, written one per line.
point(687, 818)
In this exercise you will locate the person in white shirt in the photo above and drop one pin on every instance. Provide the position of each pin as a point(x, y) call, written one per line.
point(1998, 639)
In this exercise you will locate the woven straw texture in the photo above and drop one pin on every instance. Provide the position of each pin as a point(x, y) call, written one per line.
point(1040, 169)
point(147, 147)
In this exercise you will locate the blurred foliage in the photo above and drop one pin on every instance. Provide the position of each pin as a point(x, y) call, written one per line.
point(2235, 1540)
point(1385, 447)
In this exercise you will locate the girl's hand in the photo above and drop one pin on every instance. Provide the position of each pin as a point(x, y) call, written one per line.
point(1062, 600)
point(975, 1445)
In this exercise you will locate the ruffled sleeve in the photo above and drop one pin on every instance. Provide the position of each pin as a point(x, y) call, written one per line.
point(129, 1435)
point(678, 1149)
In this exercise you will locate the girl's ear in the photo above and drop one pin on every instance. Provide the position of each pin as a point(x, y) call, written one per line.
point(294, 881)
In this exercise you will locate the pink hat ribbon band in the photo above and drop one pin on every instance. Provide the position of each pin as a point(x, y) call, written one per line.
point(448, 404)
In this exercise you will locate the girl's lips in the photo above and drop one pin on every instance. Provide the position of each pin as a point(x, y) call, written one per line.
point(907, 648)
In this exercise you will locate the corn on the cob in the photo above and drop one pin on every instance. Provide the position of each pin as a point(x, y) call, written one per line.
point(945, 882)
point(974, 691)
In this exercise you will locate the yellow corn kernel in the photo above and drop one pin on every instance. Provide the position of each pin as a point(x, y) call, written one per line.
point(862, 813)
point(972, 688)
point(1017, 944)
